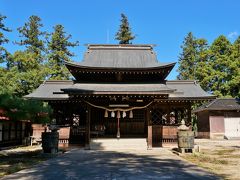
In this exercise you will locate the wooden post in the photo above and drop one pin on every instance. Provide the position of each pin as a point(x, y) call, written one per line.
point(87, 129)
point(168, 113)
point(189, 114)
point(149, 138)
point(149, 144)
point(118, 128)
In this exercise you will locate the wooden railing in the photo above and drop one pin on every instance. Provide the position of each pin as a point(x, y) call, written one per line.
point(163, 134)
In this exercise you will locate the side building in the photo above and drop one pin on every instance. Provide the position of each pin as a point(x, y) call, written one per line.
point(219, 119)
point(121, 91)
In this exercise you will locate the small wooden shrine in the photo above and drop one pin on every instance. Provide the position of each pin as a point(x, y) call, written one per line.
point(121, 91)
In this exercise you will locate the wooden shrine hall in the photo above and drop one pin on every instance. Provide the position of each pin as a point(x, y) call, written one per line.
point(120, 91)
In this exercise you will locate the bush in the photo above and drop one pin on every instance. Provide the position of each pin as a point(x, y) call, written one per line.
point(22, 109)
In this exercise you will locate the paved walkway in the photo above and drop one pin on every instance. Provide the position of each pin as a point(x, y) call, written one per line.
point(114, 165)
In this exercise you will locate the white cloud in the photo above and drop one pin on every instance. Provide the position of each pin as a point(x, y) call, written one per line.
point(233, 35)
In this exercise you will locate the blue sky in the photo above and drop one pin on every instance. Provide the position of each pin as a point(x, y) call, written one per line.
point(164, 23)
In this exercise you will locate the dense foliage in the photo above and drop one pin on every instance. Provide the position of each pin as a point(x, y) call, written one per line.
point(3, 52)
point(124, 34)
point(41, 57)
point(21, 109)
point(58, 53)
point(215, 66)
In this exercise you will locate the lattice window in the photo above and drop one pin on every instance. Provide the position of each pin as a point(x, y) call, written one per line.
point(178, 114)
point(158, 117)
point(76, 120)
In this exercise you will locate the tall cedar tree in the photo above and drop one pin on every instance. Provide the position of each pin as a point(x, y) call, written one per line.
point(201, 63)
point(3, 52)
point(6, 78)
point(193, 61)
point(29, 63)
point(187, 59)
point(216, 67)
point(124, 35)
point(235, 69)
point(220, 63)
point(58, 53)
point(31, 35)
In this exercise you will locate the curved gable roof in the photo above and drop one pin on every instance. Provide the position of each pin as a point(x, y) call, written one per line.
point(120, 56)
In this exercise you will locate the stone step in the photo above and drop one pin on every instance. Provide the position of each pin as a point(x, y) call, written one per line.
point(117, 144)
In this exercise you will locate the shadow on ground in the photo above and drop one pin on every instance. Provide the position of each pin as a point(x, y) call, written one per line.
point(97, 164)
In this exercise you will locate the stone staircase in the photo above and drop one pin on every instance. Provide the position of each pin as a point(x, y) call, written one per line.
point(113, 144)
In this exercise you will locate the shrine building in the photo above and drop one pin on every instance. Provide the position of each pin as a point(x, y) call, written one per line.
point(121, 91)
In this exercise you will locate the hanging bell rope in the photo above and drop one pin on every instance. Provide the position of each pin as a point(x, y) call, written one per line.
point(118, 109)
point(118, 114)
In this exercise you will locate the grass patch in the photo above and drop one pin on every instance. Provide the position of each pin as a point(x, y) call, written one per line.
point(224, 152)
point(13, 162)
point(233, 156)
point(202, 158)
point(212, 164)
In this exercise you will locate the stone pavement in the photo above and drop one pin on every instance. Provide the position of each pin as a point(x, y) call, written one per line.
point(114, 165)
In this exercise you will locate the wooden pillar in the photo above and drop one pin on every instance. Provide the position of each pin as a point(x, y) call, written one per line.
point(189, 114)
point(87, 128)
point(168, 113)
point(149, 138)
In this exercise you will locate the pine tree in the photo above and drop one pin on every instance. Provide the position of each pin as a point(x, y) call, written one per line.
point(3, 52)
point(124, 35)
point(59, 52)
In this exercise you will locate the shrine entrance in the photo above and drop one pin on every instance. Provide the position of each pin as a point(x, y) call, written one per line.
point(155, 122)
point(118, 124)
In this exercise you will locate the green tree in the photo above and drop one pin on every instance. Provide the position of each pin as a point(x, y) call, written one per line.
point(32, 37)
point(124, 34)
point(58, 48)
point(8, 80)
point(29, 74)
point(234, 69)
point(220, 62)
point(202, 68)
point(188, 58)
point(216, 67)
point(3, 52)
point(21, 109)
point(29, 62)
point(193, 61)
